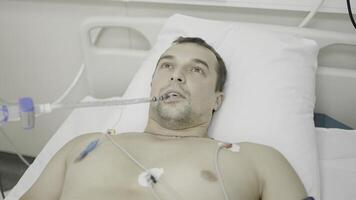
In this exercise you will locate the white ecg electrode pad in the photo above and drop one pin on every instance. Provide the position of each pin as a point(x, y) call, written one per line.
point(145, 180)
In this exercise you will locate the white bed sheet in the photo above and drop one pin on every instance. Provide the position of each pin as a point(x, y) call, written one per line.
point(337, 150)
point(337, 157)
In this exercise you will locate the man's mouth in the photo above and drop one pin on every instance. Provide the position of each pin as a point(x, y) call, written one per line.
point(172, 96)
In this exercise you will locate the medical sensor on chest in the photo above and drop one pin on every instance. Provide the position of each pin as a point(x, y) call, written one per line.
point(150, 177)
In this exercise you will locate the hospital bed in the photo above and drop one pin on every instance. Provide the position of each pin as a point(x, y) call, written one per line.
point(110, 44)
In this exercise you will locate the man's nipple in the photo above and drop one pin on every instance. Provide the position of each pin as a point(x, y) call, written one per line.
point(208, 175)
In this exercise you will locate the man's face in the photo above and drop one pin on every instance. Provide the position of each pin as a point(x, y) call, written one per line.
point(186, 75)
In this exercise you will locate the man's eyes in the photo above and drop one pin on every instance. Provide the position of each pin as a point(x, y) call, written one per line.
point(197, 70)
point(166, 65)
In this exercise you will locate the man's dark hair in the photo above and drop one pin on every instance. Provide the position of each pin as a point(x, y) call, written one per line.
point(220, 68)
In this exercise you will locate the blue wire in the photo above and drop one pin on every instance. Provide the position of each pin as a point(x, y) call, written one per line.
point(90, 147)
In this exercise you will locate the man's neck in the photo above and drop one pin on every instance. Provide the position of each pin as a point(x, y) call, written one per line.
point(155, 128)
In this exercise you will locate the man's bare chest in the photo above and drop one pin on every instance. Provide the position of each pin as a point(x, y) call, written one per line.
point(188, 170)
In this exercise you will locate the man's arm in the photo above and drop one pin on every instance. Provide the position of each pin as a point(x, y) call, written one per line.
point(279, 181)
point(50, 183)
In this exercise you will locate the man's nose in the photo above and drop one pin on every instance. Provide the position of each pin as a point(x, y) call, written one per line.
point(177, 76)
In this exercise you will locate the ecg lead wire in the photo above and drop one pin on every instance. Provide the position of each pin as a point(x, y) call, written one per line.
point(221, 181)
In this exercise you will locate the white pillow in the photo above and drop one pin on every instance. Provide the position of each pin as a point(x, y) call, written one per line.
point(269, 94)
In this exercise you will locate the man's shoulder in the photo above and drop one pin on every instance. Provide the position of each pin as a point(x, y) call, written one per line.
point(255, 147)
point(79, 140)
point(277, 176)
point(84, 137)
point(260, 153)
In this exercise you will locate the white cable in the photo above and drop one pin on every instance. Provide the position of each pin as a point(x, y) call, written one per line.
point(178, 196)
point(135, 161)
point(63, 96)
point(127, 153)
point(122, 109)
point(47, 108)
point(142, 167)
point(71, 86)
point(154, 193)
point(221, 181)
point(11, 143)
point(76, 79)
point(311, 14)
point(14, 147)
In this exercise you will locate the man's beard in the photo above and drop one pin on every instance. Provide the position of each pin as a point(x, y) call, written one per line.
point(179, 116)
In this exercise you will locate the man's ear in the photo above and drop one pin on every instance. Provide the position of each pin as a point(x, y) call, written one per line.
point(218, 101)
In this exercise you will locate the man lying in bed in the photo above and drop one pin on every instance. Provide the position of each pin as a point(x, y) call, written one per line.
point(190, 75)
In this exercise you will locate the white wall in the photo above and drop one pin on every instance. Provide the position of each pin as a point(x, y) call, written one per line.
point(329, 6)
point(40, 50)
point(39, 57)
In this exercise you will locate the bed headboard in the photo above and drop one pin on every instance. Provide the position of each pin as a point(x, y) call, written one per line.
point(114, 47)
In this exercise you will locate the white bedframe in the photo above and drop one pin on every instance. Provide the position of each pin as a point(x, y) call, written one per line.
point(109, 67)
